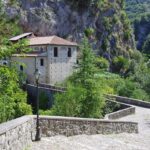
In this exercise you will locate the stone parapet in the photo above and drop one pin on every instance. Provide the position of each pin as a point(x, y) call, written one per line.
point(130, 101)
point(16, 134)
point(70, 126)
point(19, 133)
point(121, 113)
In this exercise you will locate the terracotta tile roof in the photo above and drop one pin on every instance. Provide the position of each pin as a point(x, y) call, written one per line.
point(16, 38)
point(50, 40)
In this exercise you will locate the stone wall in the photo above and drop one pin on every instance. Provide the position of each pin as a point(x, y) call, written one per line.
point(19, 133)
point(68, 126)
point(121, 113)
point(16, 134)
point(60, 67)
point(130, 101)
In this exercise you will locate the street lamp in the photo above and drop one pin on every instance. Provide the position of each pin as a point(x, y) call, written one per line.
point(37, 76)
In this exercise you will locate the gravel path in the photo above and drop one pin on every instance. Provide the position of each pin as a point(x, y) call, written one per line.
point(123, 141)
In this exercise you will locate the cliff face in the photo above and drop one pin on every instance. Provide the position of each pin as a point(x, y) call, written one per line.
point(103, 21)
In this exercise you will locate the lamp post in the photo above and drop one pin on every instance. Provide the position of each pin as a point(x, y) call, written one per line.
point(37, 76)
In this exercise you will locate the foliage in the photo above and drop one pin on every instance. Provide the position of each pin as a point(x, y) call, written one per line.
point(111, 107)
point(120, 65)
point(46, 112)
point(89, 32)
point(146, 45)
point(136, 8)
point(102, 63)
point(12, 98)
point(137, 85)
point(43, 101)
point(69, 103)
point(8, 27)
point(139, 14)
point(83, 97)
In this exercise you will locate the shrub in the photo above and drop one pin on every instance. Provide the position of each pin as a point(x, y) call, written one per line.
point(127, 34)
point(89, 32)
point(120, 64)
point(140, 94)
point(83, 97)
point(13, 101)
point(102, 63)
point(126, 89)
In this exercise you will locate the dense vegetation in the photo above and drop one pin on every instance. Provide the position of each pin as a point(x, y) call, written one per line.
point(126, 73)
point(118, 70)
point(12, 97)
point(137, 8)
point(139, 14)
point(92, 80)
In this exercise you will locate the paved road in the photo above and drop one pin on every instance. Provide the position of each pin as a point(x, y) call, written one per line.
point(123, 141)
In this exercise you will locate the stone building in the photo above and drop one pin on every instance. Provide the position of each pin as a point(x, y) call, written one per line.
point(53, 56)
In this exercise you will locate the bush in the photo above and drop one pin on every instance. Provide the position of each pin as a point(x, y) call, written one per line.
point(69, 103)
point(127, 34)
point(89, 32)
point(83, 97)
point(140, 94)
point(102, 63)
point(146, 45)
point(120, 65)
point(126, 89)
point(13, 101)
point(46, 112)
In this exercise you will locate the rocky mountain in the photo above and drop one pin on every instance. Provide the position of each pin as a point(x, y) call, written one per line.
point(103, 21)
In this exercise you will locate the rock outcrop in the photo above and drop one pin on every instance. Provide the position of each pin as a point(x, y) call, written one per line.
point(105, 22)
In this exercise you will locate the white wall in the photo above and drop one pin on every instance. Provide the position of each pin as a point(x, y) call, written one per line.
point(55, 69)
point(62, 66)
point(29, 66)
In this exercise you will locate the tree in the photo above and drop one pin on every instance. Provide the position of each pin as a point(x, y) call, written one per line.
point(13, 100)
point(146, 46)
point(83, 97)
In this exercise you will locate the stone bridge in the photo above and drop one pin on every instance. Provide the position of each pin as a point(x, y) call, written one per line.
point(131, 132)
point(123, 141)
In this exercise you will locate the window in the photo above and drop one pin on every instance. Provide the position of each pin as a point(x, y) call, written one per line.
point(42, 62)
point(21, 68)
point(55, 51)
point(41, 49)
point(69, 52)
point(4, 63)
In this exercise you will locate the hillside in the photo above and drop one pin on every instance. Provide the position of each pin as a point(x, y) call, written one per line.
point(139, 14)
point(136, 8)
point(104, 22)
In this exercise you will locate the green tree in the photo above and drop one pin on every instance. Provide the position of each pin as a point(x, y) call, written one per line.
point(83, 97)
point(146, 46)
point(12, 99)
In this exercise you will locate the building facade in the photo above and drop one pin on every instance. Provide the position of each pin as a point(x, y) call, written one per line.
point(53, 56)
